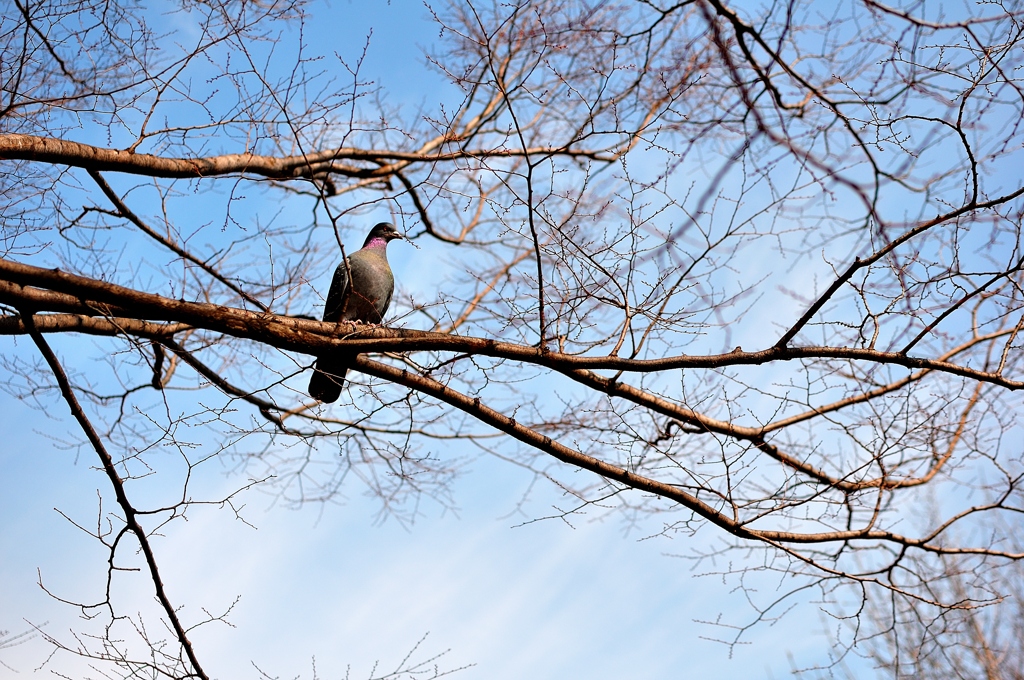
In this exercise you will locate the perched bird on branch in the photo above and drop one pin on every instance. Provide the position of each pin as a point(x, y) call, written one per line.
point(361, 292)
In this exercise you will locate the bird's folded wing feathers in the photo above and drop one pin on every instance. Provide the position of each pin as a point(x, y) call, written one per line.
point(336, 294)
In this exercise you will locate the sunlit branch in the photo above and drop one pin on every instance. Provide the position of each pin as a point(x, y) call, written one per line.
point(75, 154)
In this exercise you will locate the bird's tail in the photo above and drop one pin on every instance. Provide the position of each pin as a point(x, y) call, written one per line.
point(328, 379)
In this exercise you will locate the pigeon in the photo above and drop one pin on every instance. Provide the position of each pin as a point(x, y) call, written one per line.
point(361, 292)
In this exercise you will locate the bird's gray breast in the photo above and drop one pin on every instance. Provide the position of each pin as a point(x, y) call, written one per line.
point(372, 285)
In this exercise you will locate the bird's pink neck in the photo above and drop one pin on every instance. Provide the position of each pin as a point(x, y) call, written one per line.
point(375, 242)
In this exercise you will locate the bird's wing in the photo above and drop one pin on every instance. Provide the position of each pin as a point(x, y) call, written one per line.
point(336, 295)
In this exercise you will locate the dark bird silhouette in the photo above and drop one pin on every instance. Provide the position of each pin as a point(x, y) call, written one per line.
point(360, 291)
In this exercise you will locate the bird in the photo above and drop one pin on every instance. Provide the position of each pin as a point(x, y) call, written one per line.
point(360, 291)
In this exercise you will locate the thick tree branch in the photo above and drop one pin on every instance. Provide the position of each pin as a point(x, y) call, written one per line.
point(82, 295)
point(312, 165)
point(721, 518)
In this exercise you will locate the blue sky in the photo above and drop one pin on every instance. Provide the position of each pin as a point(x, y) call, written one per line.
point(541, 600)
point(336, 583)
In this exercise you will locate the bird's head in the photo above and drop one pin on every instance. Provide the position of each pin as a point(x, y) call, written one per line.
point(383, 232)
